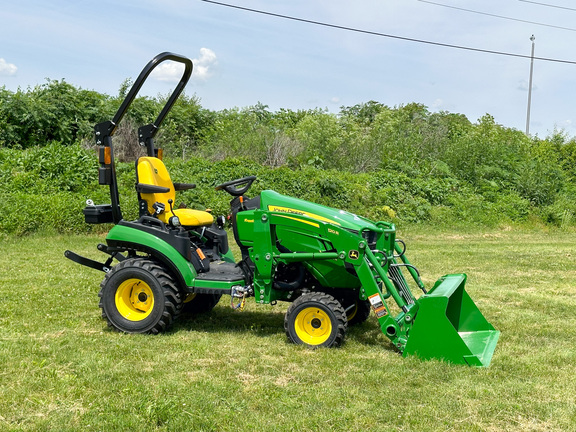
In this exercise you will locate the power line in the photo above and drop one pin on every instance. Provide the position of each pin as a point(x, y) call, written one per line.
point(373, 33)
point(496, 16)
point(548, 5)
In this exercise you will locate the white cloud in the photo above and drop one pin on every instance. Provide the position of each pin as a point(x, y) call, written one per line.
point(170, 71)
point(7, 69)
point(204, 66)
point(564, 125)
point(438, 104)
point(523, 85)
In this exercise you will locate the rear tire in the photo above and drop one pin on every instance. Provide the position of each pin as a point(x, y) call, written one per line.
point(139, 296)
point(316, 320)
point(357, 311)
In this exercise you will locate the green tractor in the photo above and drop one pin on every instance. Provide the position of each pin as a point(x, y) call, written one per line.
point(333, 267)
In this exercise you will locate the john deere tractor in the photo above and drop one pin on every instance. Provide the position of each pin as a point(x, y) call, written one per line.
point(333, 267)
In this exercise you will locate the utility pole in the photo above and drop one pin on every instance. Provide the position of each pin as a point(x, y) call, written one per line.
point(532, 38)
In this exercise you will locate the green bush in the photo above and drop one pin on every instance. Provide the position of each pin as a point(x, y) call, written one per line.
point(562, 212)
point(403, 163)
point(46, 192)
point(28, 213)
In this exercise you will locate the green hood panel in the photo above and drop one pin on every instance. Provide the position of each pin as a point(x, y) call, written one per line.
point(273, 201)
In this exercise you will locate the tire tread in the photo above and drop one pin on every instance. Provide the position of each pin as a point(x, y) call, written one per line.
point(172, 295)
point(326, 300)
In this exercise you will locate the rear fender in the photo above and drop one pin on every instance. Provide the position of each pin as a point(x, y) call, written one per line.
point(134, 239)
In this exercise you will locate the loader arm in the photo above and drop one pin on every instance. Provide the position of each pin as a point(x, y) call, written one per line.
point(443, 323)
point(349, 247)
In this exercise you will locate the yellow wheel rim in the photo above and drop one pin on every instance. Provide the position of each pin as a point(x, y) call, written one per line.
point(352, 312)
point(190, 297)
point(313, 326)
point(134, 299)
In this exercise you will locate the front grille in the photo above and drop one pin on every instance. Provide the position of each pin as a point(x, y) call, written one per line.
point(371, 238)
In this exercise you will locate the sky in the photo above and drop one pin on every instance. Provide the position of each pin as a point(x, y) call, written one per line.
point(242, 58)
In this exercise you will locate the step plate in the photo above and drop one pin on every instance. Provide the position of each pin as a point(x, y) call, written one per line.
point(222, 271)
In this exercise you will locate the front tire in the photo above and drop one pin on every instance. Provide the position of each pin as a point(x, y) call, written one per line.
point(316, 320)
point(139, 296)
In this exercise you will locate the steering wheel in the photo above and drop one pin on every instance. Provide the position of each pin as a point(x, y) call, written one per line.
point(235, 188)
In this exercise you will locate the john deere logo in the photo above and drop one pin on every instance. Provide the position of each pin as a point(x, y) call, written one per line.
point(353, 254)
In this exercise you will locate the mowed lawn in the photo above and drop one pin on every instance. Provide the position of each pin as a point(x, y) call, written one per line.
point(62, 369)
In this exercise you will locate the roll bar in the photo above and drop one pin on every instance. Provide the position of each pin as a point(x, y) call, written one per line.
point(105, 130)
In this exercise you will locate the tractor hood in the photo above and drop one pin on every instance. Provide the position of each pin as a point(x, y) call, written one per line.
point(273, 201)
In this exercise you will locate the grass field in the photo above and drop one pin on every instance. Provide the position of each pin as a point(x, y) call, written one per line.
point(62, 369)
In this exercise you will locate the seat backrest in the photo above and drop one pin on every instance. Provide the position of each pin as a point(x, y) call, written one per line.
point(152, 171)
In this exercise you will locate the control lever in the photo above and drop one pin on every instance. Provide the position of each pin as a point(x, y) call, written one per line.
point(174, 220)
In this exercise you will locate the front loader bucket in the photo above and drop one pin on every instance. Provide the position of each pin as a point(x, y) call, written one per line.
point(449, 326)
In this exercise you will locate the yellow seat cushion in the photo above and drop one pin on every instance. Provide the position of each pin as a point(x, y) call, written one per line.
point(189, 217)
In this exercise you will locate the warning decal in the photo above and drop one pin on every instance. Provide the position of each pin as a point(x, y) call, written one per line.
point(375, 301)
point(378, 305)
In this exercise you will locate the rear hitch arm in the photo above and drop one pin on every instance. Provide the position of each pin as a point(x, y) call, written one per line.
point(105, 267)
point(89, 262)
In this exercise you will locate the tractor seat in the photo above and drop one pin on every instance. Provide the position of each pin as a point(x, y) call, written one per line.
point(155, 186)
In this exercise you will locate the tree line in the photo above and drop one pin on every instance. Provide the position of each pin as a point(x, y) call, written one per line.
point(421, 165)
